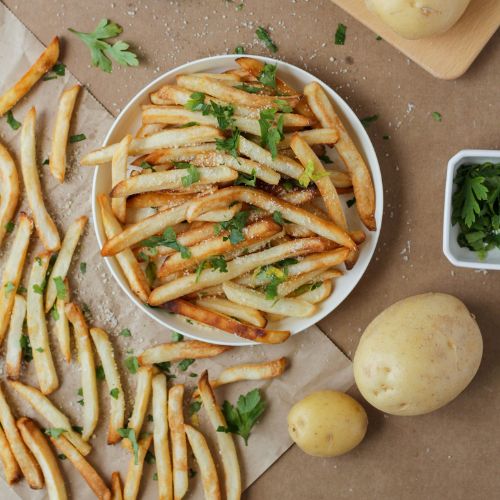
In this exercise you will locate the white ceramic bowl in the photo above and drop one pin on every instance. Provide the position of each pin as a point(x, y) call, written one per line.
point(129, 121)
point(457, 255)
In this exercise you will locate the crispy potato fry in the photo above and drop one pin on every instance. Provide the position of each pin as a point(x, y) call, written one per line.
point(267, 202)
point(119, 165)
point(63, 261)
point(163, 155)
point(165, 199)
point(340, 179)
point(161, 439)
point(220, 76)
point(314, 136)
point(29, 466)
point(360, 174)
point(220, 215)
point(149, 129)
point(90, 409)
point(319, 294)
point(126, 259)
point(61, 325)
point(225, 441)
point(117, 400)
point(43, 64)
point(14, 354)
point(206, 463)
point(116, 486)
point(57, 158)
point(299, 197)
point(141, 402)
point(88, 473)
point(39, 447)
point(297, 231)
point(11, 470)
point(242, 312)
point(225, 323)
point(288, 307)
point(178, 440)
point(44, 224)
point(9, 190)
point(47, 410)
point(210, 277)
point(37, 326)
point(288, 287)
point(171, 179)
point(170, 138)
point(176, 351)
point(134, 471)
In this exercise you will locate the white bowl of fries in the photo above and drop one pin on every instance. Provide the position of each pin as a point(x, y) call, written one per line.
point(234, 206)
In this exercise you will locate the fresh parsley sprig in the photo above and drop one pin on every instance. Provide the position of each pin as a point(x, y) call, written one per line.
point(309, 175)
point(234, 226)
point(167, 239)
point(271, 130)
point(264, 36)
point(268, 75)
point(193, 174)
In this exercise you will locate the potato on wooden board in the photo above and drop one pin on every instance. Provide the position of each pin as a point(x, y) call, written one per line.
point(327, 423)
point(418, 354)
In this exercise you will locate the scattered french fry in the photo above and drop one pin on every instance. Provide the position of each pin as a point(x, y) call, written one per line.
point(134, 472)
point(61, 324)
point(14, 354)
point(242, 312)
point(116, 486)
point(319, 294)
point(9, 190)
point(11, 470)
point(142, 397)
point(119, 164)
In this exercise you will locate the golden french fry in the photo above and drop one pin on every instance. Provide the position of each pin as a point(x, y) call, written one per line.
point(61, 325)
point(360, 174)
point(39, 447)
point(141, 402)
point(57, 158)
point(288, 287)
point(149, 129)
point(44, 224)
point(117, 398)
point(220, 76)
point(206, 463)
point(178, 440)
point(187, 153)
point(37, 326)
point(63, 261)
point(318, 294)
point(175, 351)
point(116, 486)
point(47, 410)
point(160, 436)
point(9, 190)
point(14, 354)
point(165, 199)
point(220, 215)
point(134, 471)
point(312, 137)
point(29, 466)
point(43, 64)
point(225, 441)
point(90, 409)
point(11, 470)
point(242, 312)
point(88, 473)
point(119, 174)
point(170, 138)
point(126, 259)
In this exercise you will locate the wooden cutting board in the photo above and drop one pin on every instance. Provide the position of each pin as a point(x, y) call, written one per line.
point(447, 56)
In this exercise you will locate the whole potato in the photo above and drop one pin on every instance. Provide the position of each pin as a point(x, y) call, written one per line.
point(415, 19)
point(418, 354)
point(327, 423)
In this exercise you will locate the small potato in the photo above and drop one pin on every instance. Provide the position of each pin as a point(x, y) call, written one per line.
point(327, 423)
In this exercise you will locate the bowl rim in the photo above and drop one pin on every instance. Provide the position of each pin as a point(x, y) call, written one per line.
point(353, 122)
point(454, 162)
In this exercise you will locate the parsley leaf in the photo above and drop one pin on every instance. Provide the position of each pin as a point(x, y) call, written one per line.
point(369, 119)
point(39, 288)
point(177, 337)
point(244, 416)
point(325, 159)
point(251, 89)
point(278, 218)
point(60, 287)
point(54, 313)
point(77, 138)
point(276, 274)
point(263, 36)
point(130, 435)
point(193, 174)
point(83, 267)
point(132, 364)
point(268, 75)
point(309, 175)
point(125, 333)
point(196, 102)
point(351, 202)
point(437, 116)
point(13, 123)
point(234, 226)
point(102, 52)
point(239, 49)
point(9, 287)
point(151, 272)
point(99, 373)
point(245, 179)
point(114, 393)
point(283, 106)
point(230, 144)
point(185, 364)
point(168, 239)
point(340, 34)
point(9, 227)
point(224, 114)
point(217, 262)
point(54, 432)
point(271, 131)
point(25, 343)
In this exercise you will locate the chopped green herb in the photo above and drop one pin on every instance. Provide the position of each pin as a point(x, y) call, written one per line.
point(185, 364)
point(191, 473)
point(48, 77)
point(132, 364)
point(350, 202)
point(79, 392)
point(271, 131)
point(278, 218)
point(39, 349)
point(150, 458)
point(307, 287)
point(196, 102)
point(283, 106)
point(21, 289)
point(168, 239)
point(130, 435)
point(325, 159)
point(309, 175)
point(194, 407)
point(378, 38)
point(77, 138)
point(9, 227)
point(268, 75)
point(77, 428)
point(150, 417)
point(437, 116)
point(151, 272)
point(164, 366)
point(340, 34)
point(46, 161)
point(9, 287)
point(276, 274)
point(26, 348)
point(114, 393)
point(263, 36)
point(54, 313)
point(193, 174)
point(177, 337)
point(234, 226)
point(126, 333)
point(251, 89)
point(13, 123)
point(60, 287)
point(155, 476)
point(385, 137)
point(193, 375)
point(54, 432)
point(147, 166)
point(39, 288)
point(368, 120)
point(239, 49)
point(38, 260)
point(230, 144)
point(83, 267)
point(224, 114)
point(246, 179)
point(61, 456)
point(189, 124)
point(59, 69)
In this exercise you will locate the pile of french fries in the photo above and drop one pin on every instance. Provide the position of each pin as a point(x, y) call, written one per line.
point(200, 165)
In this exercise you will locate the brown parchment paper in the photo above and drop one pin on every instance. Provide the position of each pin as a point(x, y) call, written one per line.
point(315, 362)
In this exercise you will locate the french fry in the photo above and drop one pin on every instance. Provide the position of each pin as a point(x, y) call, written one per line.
point(187, 153)
point(57, 158)
point(319, 294)
point(141, 402)
point(171, 179)
point(299, 197)
point(210, 277)
point(176, 351)
point(39, 447)
point(206, 463)
point(312, 137)
point(61, 325)
point(158, 199)
point(134, 471)
point(220, 215)
point(119, 164)
point(88, 473)
point(9, 190)
point(116, 486)
point(178, 440)
point(288, 287)
point(63, 261)
point(43, 64)
point(37, 326)
point(29, 466)
point(149, 129)
point(161, 439)
point(170, 138)
point(11, 470)
point(117, 398)
point(360, 174)
point(225, 323)
point(44, 224)
point(47, 410)
point(87, 368)
point(14, 354)
point(220, 76)
point(242, 312)
point(225, 441)
point(126, 259)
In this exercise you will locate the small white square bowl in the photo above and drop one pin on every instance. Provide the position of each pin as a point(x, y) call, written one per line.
point(457, 255)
